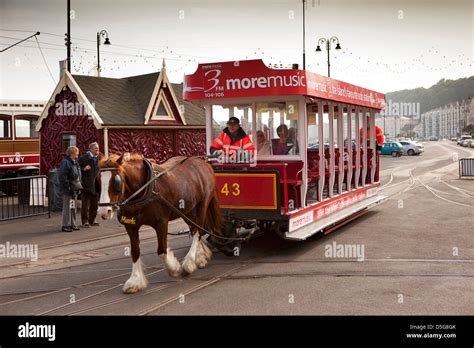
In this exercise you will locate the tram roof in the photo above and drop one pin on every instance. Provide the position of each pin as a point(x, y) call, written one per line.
point(252, 78)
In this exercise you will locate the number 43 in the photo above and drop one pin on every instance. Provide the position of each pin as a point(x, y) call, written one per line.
point(235, 192)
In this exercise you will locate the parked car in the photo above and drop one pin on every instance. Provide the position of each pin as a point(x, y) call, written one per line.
point(433, 138)
point(463, 141)
point(454, 139)
point(412, 148)
point(462, 138)
point(395, 149)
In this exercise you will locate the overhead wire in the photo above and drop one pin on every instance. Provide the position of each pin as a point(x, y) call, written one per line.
point(45, 62)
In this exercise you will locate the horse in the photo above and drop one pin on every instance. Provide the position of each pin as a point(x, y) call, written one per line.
point(187, 183)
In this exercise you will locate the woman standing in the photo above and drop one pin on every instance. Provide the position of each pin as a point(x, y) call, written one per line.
point(70, 182)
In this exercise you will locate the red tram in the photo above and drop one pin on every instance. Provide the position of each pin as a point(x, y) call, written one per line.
point(19, 141)
point(329, 172)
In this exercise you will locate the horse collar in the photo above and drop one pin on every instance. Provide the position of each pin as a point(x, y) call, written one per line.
point(142, 201)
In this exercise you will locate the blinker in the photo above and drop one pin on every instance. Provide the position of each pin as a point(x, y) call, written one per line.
point(117, 184)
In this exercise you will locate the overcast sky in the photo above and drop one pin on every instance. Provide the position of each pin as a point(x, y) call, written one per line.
point(387, 45)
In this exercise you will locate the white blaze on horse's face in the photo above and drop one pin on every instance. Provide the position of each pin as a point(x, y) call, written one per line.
point(105, 212)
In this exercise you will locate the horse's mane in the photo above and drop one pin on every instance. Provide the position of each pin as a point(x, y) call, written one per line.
point(112, 159)
point(134, 156)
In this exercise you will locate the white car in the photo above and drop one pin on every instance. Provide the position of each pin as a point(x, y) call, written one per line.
point(412, 148)
point(463, 138)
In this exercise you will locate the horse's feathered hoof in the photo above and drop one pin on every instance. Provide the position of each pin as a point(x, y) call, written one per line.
point(175, 273)
point(189, 266)
point(171, 264)
point(131, 287)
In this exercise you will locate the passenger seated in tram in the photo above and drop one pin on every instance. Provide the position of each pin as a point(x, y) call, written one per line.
point(284, 145)
point(263, 145)
point(293, 138)
point(233, 140)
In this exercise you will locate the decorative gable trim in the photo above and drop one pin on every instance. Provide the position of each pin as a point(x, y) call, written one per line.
point(68, 80)
point(158, 96)
point(157, 116)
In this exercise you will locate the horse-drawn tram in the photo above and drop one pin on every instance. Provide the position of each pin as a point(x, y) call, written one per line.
point(311, 166)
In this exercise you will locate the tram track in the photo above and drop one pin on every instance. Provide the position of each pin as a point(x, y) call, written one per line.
point(83, 241)
point(215, 277)
point(81, 285)
point(231, 272)
point(416, 179)
point(348, 274)
point(86, 251)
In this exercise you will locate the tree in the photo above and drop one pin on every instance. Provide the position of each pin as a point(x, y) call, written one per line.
point(469, 129)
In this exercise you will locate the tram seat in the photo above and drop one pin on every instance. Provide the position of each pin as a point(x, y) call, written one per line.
point(294, 178)
point(370, 154)
point(313, 165)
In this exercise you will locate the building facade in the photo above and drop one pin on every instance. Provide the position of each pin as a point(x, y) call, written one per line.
point(447, 121)
point(144, 114)
point(392, 126)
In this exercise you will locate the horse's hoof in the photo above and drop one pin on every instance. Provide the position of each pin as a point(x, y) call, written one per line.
point(201, 262)
point(201, 258)
point(189, 267)
point(175, 273)
point(130, 289)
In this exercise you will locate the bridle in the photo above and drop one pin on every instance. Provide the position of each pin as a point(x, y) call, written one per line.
point(133, 201)
point(118, 185)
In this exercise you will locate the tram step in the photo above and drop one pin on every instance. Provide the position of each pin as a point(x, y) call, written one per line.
point(328, 221)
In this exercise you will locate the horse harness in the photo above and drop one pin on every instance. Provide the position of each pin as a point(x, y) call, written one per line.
point(133, 203)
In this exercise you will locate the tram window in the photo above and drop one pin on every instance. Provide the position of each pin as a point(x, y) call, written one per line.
point(25, 127)
point(5, 127)
point(277, 123)
point(222, 113)
point(68, 140)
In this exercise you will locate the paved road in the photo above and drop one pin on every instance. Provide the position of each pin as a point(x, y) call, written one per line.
point(418, 259)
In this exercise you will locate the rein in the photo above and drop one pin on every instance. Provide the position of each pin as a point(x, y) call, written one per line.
point(126, 202)
point(191, 222)
point(148, 196)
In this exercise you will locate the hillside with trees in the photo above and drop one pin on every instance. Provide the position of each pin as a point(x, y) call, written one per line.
point(440, 94)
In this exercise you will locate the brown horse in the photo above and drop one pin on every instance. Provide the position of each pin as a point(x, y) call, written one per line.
point(188, 184)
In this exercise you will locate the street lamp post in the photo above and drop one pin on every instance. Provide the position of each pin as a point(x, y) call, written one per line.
point(102, 33)
point(323, 40)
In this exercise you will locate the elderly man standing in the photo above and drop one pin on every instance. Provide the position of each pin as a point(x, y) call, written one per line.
point(89, 164)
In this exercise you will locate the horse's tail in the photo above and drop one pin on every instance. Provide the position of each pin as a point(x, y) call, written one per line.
point(214, 216)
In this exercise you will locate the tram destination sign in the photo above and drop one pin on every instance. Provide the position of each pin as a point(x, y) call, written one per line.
point(18, 160)
point(251, 78)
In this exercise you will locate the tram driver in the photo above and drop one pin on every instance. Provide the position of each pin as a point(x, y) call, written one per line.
point(233, 144)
